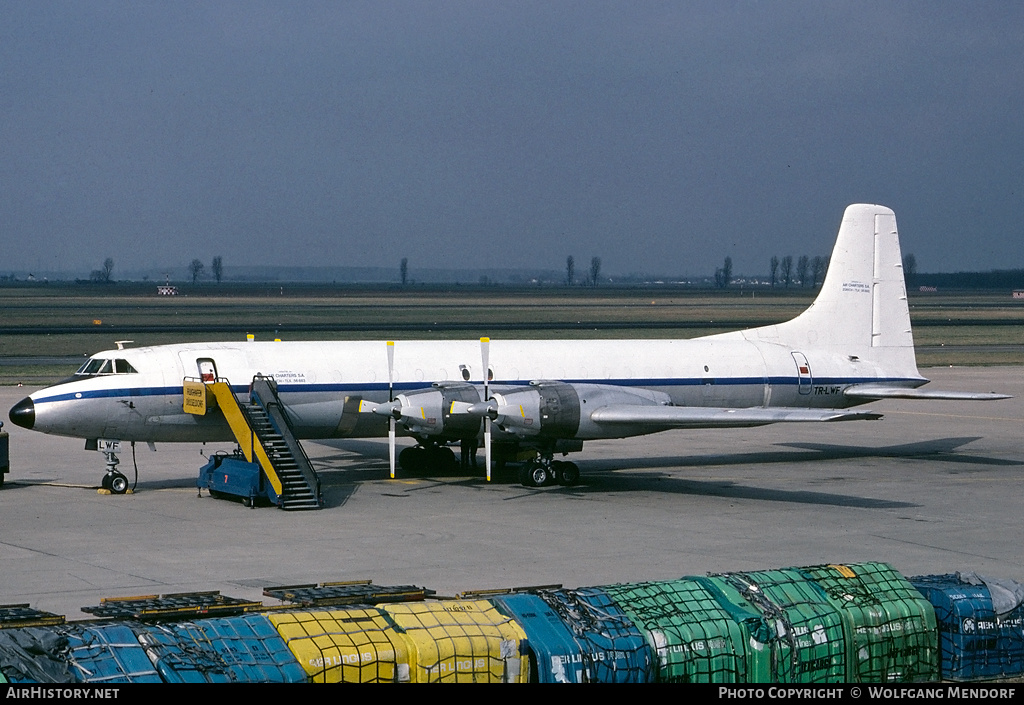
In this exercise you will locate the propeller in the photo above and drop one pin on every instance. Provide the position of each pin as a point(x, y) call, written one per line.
point(391, 399)
point(485, 351)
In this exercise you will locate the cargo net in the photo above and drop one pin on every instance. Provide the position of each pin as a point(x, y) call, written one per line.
point(345, 646)
point(182, 660)
point(107, 653)
point(806, 633)
point(892, 625)
point(362, 592)
point(980, 625)
point(695, 640)
point(462, 642)
point(233, 650)
point(611, 647)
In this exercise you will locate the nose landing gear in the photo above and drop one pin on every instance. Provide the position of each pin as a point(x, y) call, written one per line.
point(114, 481)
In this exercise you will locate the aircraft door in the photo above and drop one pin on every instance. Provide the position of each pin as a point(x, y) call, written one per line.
point(803, 373)
point(207, 369)
point(215, 364)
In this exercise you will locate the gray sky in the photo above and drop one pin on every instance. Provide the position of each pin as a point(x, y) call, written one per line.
point(660, 136)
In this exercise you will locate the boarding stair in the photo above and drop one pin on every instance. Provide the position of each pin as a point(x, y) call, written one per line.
point(265, 436)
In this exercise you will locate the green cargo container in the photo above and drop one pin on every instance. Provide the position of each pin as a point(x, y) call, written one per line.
point(807, 641)
point(695, 639)
point(890, 627)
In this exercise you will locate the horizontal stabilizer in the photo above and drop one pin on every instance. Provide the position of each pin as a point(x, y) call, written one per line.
point(703, 417)
point(882, 391)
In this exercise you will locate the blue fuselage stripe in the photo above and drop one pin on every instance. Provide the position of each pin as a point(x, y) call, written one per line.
point(338, 389)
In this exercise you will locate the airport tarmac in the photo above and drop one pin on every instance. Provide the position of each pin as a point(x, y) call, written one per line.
point(934, 487)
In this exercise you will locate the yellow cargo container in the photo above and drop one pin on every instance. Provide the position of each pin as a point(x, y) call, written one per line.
point(346, 645)
point(462, 641)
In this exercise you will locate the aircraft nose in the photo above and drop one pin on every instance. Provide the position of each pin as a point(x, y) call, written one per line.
point(24, 413)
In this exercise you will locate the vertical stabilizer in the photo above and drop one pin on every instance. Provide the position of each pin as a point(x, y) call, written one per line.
point(862, 306)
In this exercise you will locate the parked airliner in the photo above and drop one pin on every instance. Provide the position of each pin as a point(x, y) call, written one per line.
point(531, 397)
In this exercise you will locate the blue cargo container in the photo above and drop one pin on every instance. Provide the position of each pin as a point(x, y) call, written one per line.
point(555, 656)
point(245, 649)
point(979, 638)
point(107, 653)
point(612, 648)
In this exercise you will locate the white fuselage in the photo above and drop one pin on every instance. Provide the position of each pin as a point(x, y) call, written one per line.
point(315, 378)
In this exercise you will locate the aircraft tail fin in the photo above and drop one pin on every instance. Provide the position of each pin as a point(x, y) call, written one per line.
point(862, 307)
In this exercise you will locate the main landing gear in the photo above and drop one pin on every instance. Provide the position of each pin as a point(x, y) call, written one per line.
point(542, 471)
point(114, 481)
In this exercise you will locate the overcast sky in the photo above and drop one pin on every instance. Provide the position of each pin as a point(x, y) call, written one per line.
point(660, 136)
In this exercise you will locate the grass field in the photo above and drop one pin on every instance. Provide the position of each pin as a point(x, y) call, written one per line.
point(969, 328)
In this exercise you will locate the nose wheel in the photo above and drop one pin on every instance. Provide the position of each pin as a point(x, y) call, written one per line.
point(114, 481)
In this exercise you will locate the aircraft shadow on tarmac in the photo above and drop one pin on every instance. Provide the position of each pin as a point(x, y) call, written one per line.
point(340, 488)
point(940, 449)
point(363, 461)
point(355, 462)
point(606, 475)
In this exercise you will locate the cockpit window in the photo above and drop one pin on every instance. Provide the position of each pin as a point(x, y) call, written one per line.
point(99, 366)
point(91, 367)
point(123, 367)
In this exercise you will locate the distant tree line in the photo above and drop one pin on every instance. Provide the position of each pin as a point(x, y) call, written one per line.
point(570, 271)
point(809, 272)
point(104, 275)
point(804, 272)
point(196, 269)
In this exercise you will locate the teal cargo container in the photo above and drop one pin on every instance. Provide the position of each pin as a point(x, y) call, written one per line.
point(694, 638)
point(572, 640)
point(555, 657)
point(806, 638)
point(891, 635)
point(614, 649)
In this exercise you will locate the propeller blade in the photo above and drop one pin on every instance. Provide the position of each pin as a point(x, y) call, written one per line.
point(391, 445)
point(487, 445)
point(485, 354)
point(391, 370)
point(391, 398)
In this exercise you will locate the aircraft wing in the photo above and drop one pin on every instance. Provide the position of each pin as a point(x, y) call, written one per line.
point(710, 417)
point(882, 391)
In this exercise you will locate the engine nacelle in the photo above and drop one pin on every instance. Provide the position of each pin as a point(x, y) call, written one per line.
point(562, 409)
point(428, 412)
